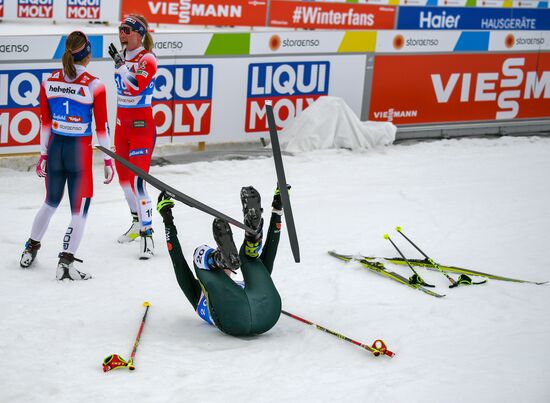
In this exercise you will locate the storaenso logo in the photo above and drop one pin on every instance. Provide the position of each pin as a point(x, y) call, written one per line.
point(63, 90)
point(14, 48)
point(169, 45)
point(530, 41)
point(422, 42)
point(300, 43)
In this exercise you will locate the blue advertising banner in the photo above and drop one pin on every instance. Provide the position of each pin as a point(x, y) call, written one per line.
point(465, 18)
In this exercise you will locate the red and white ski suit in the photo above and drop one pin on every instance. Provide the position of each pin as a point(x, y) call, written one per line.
point(135, 132)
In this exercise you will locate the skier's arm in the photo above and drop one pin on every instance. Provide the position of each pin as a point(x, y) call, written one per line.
point(187, 282)
point(138, 81)
point(269, 251)
point(100, 116)
point(46, 119)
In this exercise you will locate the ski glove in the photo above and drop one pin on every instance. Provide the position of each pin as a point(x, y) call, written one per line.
point(164, 207)
point(41, 166)
point(108, 171)
point(117, 57)
point(277, 202)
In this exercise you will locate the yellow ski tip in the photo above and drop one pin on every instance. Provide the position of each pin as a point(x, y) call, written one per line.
point(146, 303)
point(386, 236)
point(398, 229)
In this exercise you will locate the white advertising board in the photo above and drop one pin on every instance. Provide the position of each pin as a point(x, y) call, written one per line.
point(196, 99)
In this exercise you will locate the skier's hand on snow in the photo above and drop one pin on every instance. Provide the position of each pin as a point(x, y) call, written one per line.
point(277, 202)
point(41, 166)
point(108, 171)
point(164, 207)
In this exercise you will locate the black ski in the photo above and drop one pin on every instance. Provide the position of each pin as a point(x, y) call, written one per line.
point(173, 193)
point(281, 180)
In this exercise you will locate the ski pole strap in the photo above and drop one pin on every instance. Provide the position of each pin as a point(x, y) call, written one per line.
point(114, 361)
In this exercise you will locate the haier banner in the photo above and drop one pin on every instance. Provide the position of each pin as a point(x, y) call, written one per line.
point(473, 18)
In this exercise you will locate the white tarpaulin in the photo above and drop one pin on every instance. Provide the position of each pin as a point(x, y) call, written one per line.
point(330, 123)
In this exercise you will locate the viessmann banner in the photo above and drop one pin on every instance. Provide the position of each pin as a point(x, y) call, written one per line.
point(300, 14)
point(473, 18)
point(199, 12)
point(460, 87)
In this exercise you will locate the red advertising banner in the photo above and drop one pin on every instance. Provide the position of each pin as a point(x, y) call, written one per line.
point(199, 12)
point(83, 9)
point(34, 9)
point(1, 8)
point(300, 14)
point(460, 87)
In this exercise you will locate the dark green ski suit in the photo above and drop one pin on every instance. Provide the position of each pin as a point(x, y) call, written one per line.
point(235, 310)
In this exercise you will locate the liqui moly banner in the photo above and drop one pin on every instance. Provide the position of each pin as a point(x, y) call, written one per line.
point(1, 8)
point(292, 87)
point(20, 107)
point(299, 14)
point(182, 100)
point(199, 12)
point(459, 88)
point(83, 9)
point(34, 8)
point(473, 18)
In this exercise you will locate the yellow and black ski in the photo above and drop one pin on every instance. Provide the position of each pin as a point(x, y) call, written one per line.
point(449, 269)
point(381, 269)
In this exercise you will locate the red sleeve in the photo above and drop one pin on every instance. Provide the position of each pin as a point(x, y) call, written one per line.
point(138, 81)
point(100, 115)
point(46, 120)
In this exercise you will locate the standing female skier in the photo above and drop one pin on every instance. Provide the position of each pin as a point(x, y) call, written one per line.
point(236, 309)
point(135, 132)
point(67, 100)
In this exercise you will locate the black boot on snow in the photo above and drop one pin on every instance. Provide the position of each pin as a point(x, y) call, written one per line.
point(29, 254)
point(66, 270)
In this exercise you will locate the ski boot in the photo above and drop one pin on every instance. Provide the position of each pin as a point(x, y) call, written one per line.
point(133, 232)
point(252, 211)
point(29, 254)
point(66, 270)
point(226, 255)
point(147, 246)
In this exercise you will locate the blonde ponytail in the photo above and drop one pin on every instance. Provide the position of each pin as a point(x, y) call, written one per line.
point(148, 42)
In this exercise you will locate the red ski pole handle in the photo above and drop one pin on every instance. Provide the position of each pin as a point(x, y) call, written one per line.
point(380, 348)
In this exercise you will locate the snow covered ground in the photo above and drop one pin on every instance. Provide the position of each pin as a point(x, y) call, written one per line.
point(479, 203)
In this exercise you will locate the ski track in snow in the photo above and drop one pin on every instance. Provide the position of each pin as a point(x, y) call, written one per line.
point(478, 203)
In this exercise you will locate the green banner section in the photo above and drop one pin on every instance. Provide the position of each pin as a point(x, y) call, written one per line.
point(229, 44)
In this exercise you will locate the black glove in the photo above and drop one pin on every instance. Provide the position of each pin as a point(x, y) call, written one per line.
point(117, 57)
point(277, 202)
point(164, 207)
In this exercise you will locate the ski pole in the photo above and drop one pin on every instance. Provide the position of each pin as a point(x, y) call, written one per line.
point(432, 262)
point(415, 278)
point(115, 361)
point(377, 348)
point(463, 279)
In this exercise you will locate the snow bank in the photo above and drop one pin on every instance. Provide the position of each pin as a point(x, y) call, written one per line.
point(330, 123)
